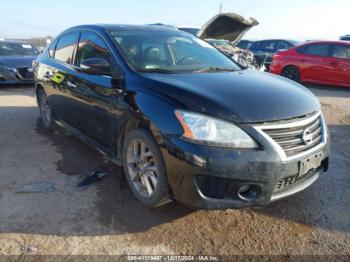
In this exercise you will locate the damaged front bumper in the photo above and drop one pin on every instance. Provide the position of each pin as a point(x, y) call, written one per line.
point(212, 178)
point(292, 154)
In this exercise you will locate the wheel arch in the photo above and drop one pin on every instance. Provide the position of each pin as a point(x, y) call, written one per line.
point(37, 88)
point(295, 66)
point(152, 113)
point(290, 65)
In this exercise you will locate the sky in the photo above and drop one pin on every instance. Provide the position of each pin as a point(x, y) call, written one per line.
point(291, 19)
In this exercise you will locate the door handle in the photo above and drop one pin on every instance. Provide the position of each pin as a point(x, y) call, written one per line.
point(333, 63)
point(71, 85)
point(48, 75)
point(303, 60)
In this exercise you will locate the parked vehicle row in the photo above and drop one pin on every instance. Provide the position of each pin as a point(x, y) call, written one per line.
point(184, 121)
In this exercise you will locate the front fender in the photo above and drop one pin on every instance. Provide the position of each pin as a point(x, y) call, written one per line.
point(158, 112)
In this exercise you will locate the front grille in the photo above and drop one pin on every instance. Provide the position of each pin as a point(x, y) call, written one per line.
point(291, 180)
point(24, 73)
point(297, 137)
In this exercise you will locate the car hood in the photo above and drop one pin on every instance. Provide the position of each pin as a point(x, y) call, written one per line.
point(228, 26)
point(242, 97)
point(16, 61)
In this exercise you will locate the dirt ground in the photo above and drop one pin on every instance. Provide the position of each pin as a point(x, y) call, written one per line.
point(105, 219)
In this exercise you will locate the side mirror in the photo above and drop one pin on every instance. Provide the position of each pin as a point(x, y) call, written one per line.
point(96, 66)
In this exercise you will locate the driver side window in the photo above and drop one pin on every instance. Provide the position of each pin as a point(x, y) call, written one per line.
point(91, 46)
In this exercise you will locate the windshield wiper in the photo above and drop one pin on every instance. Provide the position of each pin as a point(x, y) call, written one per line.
point(156, 70)
point(216, 69)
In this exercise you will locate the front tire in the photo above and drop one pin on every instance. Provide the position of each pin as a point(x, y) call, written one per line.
point(45, 110)
point(144, 168)
point(292, 73)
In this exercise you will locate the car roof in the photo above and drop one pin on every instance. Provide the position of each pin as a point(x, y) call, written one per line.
point(122, 27)
point(277, 39)
point(327, 42)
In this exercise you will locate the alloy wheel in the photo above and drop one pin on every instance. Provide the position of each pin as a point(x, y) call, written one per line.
point(291, 73)
point(45, 110)
point(142, 168)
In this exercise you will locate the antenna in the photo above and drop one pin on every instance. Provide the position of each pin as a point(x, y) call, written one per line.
point(220, 9)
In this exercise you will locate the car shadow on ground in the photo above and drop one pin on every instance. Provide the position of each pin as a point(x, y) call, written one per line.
point(325, 204)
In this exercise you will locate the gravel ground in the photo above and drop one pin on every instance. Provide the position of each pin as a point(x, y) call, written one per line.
point(105, 219)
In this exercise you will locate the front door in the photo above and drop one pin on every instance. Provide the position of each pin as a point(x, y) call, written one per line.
point(315, 61)
point(57, 73)
point(96, 93)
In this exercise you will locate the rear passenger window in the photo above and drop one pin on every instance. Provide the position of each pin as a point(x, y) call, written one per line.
point(65, 47)
point(341, 51)
point(319, 50)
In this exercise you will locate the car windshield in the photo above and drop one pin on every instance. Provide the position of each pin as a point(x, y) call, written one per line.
point(170, 52)
point(7, 49)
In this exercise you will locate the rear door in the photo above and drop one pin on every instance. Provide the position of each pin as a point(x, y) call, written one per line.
point(95, 94)
point(314, 61)
point(58, 72)
point(340, 63)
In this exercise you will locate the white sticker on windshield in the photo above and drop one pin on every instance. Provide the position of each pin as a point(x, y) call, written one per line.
point(27, 46)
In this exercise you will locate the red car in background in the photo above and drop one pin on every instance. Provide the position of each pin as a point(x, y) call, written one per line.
point(321, 62)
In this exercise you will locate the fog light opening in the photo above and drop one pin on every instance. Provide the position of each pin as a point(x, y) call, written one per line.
point(249, 192)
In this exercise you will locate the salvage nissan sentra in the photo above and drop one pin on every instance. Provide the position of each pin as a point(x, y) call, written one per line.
point(184, 121)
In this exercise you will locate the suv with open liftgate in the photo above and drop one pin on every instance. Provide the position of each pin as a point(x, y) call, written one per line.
point(184, 121)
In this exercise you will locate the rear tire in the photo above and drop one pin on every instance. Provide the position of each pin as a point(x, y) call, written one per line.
point(144, 168)
point(45, 110)
point(292, 73)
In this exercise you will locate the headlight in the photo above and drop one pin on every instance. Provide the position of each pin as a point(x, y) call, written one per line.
point(214, 132)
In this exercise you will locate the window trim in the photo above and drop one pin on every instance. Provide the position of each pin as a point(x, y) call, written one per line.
point(115, 66)
point(94, 32)
point(57, 41)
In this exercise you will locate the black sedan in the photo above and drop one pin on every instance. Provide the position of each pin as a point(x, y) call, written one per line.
point(184, 121)
point(16, 62)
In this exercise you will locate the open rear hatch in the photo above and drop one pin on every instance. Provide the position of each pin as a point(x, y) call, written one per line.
point(228, 26)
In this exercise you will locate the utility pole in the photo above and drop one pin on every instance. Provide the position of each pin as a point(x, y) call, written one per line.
point(220, 9)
